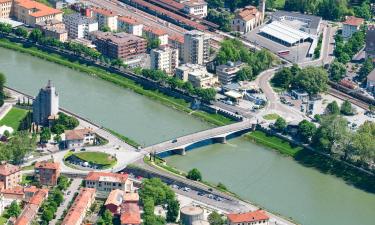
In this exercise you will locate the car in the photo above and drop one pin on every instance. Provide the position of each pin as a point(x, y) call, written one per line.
point(174, 140)
point(72, 150)
point(186, 189)
point(175, 186)
point(83, 149)
point(210, 196)
point(210, 189)
point(68, 193)
point(200, 193)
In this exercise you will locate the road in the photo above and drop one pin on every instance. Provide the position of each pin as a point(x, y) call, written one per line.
point(73, 188)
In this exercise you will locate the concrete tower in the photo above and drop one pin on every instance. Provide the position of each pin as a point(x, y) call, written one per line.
point(45, 105)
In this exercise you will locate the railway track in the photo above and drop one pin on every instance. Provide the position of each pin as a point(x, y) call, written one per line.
point(340, 95)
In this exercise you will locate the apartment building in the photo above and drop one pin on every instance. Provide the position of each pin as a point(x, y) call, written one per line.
point(195, 7)
point(351, 25)
point(47, 172)
point(54, 29)
point(105, 18)
point(80, 206)
point(10, 175)
point(370, 42)
point(155, 33)
point(227, 72)
point(164, 58)
point(79, 137)
point(79, 26)
point(255, 217)
point(104, 182)
point(196, 47)
point(246, 19)
point(32, 12)
point(130, 214)
point(177, 42)
point(197, 75)
point(119, 45)
point(31, 209)
point(130, 25)
point(5, 8)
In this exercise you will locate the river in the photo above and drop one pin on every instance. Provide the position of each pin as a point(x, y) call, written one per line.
point(263, 176)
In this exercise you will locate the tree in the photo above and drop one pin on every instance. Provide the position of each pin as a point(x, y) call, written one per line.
point(14, 209)
point(2, 83)
point(19, 145)
point(107, 217)
point(5, 28)
point(333, 9)
point(22, 32)
point(58, 129)
point(337, 71)
point(306, 130)
point(347, 108)
point(194, 174)
point(173, 209)
point(215, 219)
point(207, 94)
point(47, 215)
point(220, 17)
point(283, 78)
point(63, 182)
point(280, 124)
point(246, 73)
point(105, 29)
point(363, 11)
point(313, 80)
point(45, 135)
point(333, 108)
point(36, 35)
point(365, 70)
point(58, 197)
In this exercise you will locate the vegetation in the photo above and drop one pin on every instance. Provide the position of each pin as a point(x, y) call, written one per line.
point(106, 218)
point(318, 47)
point(99, 158)
point(14, 118)
point(337, 71)
point(18, 147)
point(215, 219)
point(347, 108)
point(173, 209)
point(271, 116)
point(14, 209)
point(49, 206)
point(194, 174)
point(220, 17)
point(45, 135)
point(125, 139)
point(365, 70)
point(64, 122)
point(364, 10)
point(306, 130)
point(333, 108)
point(2, 94)
point(280, 124)
point(344, 51)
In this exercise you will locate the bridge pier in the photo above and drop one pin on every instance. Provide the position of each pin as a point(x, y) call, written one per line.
point(221, 140)
point(180, 151)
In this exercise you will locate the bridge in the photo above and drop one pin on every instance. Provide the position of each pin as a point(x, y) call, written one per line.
point(218, 135)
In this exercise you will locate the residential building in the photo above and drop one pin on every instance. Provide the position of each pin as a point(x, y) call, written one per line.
point(46, 105)
point(227, 73)
point(79, 138)
point(304, 22)
point(371, 81)
point(117, 198)
point(119, 45)
point(130, 25)
point(31, 209)
point(255, 217)
point(105, 18)
point(5, 8)
point(80, 206)
point(370, 42)
point(130, 214)
point(196, 47)
point(197, 8)
point(177, 42)
point(104, 182)
point(197, 75)
point(32, 12)
point(53, 28)
point(246, 19)
point(156, 33)
point(164, 58)
point(351, 25)
point(10, 175)
point(47, 172)
point(79, 26)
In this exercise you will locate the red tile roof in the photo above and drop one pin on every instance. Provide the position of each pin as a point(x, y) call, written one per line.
point(39, 197)
point(248, 217)
point(8, 169)
point(130, 214)
point(47, 165)
point(17, 190)
point(39, 8)
point(353, 21)
point(27, 215)
point(96, 176)
point(5, 1)
point(129, 20)
point(156, 31)
point(78, 134)
point(79, 206)
point(104, 12)
point(178, 38)
point(115, 197)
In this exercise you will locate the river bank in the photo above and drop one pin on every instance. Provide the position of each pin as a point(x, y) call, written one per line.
point(175, 103)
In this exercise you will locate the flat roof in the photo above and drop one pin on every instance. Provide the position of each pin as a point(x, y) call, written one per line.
point(233, 94)
point(285, 33)
point(312, 21)
point(11, 22)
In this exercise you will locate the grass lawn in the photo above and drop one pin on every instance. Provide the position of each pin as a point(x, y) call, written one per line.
point(27, 179)
point(4, 217)
point(30, 167)
point(13, 118)
point(274, 142)
point(99, 158)
point(272, 116)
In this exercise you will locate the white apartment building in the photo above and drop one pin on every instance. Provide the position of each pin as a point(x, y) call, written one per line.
point(5, 8)
point(79, 26)
point(196, 47)
point(129, 25)
point(105, 18)
point(197, 75)
point(164, 58)
point(105, 182)
point(195, 7)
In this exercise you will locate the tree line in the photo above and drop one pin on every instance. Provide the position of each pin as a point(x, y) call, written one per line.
point(344, 51)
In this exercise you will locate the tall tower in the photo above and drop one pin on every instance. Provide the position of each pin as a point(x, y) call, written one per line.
point(45, 105)
point(196, 47)
point(262, 8)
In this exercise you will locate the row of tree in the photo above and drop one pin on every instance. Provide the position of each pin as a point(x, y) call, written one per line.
point(20, 145)
point(345, 50)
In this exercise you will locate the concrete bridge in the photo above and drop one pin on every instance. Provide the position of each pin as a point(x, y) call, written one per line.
point(218, 135)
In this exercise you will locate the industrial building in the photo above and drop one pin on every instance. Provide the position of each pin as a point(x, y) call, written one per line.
point(307, 23)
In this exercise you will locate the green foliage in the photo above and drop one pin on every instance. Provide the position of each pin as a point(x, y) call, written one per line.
point(246, 73)
point(18, 147)
point(20, 31)
point(215, 219)
point(306, 130)
point(14, 209)
point(2, 83)
point(64, 122)
point(344, 51)
point(36, 35)
point(365, 70)
point(363, 11)
point(283, 78)
point(194, 174)
point(45, 135)
point(318, 47)
point(347, 108)
point(156, 190)
point(280, 124)
point(333, 9)
point(47, 215)
point(152, 43)
point(337, 71)
point(105, 29)
point(333, 108)
point(5, 28)
point(173, 209)
point(63, 182)
point(220, 17)
point(107, 217)
point(207, 94)
point(215, 3)
point(313, 80)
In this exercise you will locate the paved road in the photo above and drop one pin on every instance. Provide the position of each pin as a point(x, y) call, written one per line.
point(73, 188)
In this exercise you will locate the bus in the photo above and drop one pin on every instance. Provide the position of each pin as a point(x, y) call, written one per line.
point(283, 52)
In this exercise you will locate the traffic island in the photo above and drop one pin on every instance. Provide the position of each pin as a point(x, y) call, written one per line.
point(90, 160)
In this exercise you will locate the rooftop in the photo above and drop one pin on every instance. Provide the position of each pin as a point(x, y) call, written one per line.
point(195, 3)
point(38, 9)
point(104, 12)
point(47, 165)
point(79, 19)
point(8, 169)
point(130, 214)
point(284, 32)
point(178, 38)
point(156, 31)
point(255, 216)
point(117, 38)
point(27, 215)
point(129, 20)
point(39, 197)
point(78, 134)
point(353, 21)
point(371, 76)
point(312, 21)
point(115, 197)
point(103, 176)
point(247, 13)
point(79, 206)
point(131, 197)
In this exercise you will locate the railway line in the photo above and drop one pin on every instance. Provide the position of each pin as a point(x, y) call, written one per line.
point(340, 95)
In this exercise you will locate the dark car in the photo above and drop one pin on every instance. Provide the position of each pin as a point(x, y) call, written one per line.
point(174, 141)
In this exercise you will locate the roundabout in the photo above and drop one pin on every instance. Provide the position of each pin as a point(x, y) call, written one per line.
point(92, 160)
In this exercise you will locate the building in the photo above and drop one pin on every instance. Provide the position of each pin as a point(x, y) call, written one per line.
point(190, 214)
point(119, 45)
point(5, 8)
point(304, 22)
point(10, 175)
point(104, 182)
point(105, 18)
point(196, 47)
point(53, 29)
point(79, 138)
point(117, 198)
point(371, 81)
point(256, 217)
point(164, 58)
point(227, 73)
point(156, 33)
point(130, 25)
point(246, 19)
point(46, 105)
point(31, 209)
point(197, 8)
point(197, 75)
point(130, 214)
point(351, 25)
point(47, 172)
point(370, 42)
point(80, 206)
point(177, 42)
point(79, 26)
point(32, 12)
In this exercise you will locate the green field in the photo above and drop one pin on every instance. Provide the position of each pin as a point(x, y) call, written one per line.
point(98, 158)
point(272, 116)
point(273, 142)
point(13, 118)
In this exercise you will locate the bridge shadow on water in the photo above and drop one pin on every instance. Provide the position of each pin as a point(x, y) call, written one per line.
point(203, 143)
